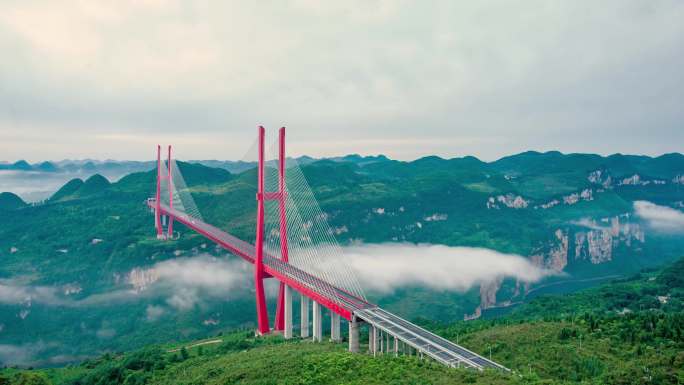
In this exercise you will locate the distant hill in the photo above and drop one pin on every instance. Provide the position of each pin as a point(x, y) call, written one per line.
point(67, 190)
point(9, 201)
point(20, 165)
point(92, 185)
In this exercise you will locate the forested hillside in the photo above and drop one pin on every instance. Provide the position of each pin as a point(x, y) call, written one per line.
point(76, 270)
point(630, 331)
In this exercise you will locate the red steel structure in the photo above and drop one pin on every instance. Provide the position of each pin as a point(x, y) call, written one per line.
point(262, 311)
point(282, 201)
point(266, 266)
point(158, 213)
point(339, 301)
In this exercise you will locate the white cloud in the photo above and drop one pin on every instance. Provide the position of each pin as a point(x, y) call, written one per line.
point(203, 272)
point(660, 217)
point(14, 291)
point(385, 267)
point(154, 312)
point(183, 282)
point(21, 355)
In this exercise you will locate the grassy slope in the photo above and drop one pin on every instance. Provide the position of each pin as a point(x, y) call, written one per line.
point(567, 339)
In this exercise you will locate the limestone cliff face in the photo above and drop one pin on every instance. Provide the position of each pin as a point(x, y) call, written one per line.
point(595, 242)
point(637, 180)
point(140, 279)
point(488, 292)
point(584, 195)
point(600, 246)
point(597, 245)
point(508, 200)
point(556, 255)
point(600, 177)
point(632, 180)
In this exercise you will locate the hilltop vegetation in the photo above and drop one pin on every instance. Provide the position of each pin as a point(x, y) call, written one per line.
point(9, 201)
point(73, 258)
point(628, 336)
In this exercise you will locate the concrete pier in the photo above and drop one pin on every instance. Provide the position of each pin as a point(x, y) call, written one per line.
point(304, 327)
point(372, 339)
point(335, 327)
point(317, 322)
point(287, 333)
point(353, 336)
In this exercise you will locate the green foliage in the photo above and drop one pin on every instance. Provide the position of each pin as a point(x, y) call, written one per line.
point(596, 345)
point(24, 378)
point(9, 201)
point(409, 192)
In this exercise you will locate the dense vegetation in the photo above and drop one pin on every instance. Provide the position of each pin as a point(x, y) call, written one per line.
point(9, 201)
point(91, 234)
point(619, 333)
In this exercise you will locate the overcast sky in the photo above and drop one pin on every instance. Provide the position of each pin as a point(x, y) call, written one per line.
point(110, 79)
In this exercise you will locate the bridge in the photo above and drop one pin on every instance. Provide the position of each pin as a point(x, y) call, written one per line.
point(294, 262)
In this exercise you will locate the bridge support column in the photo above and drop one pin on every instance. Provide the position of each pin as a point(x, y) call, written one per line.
point(317, 322)
point(353, 335)
point(396, 347)
point(304, 328)
point(287, 312)
point(335, 327)
point(372, 339)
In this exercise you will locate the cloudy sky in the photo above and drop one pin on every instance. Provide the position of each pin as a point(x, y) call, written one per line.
point(111, 79)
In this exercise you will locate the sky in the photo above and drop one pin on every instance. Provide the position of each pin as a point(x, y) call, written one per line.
point(110, 80)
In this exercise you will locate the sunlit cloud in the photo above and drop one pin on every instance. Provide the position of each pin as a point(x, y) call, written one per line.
point(661, 218)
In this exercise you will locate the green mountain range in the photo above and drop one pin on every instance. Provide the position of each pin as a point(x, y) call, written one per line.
point(78, 273)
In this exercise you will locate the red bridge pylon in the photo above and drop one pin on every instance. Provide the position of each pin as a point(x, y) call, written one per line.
point(158, 223)
point(281, 197)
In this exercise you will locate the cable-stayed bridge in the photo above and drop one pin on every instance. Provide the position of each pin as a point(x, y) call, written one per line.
point(296, 246)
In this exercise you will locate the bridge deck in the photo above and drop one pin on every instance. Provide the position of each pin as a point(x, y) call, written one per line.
point(338, 300)
point(431, 344)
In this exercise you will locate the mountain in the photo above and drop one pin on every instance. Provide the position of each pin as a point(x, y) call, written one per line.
point(622, 332)
point(9, 201)
point(46, 167)
point(87, 262)
point(67, 190)
point(92, 185)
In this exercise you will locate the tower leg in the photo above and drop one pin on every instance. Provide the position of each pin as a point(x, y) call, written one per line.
point(282, 200)
point(304, 328)
point(262, 311)
point(169, 181)
point(157, 196)
point(280, 308)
